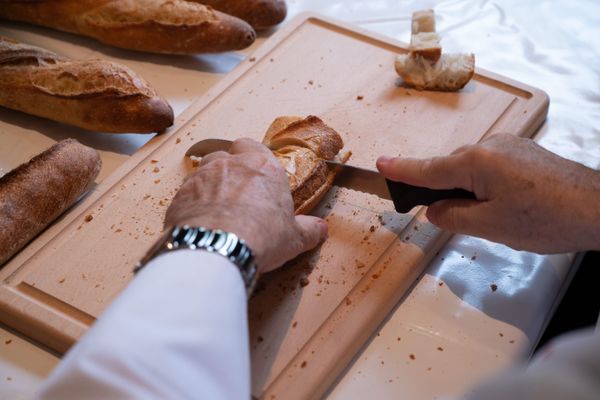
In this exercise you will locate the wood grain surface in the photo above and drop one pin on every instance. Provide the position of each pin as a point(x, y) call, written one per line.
point(308, 319)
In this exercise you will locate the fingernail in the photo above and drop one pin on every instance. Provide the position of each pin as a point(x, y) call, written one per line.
point(324, 230)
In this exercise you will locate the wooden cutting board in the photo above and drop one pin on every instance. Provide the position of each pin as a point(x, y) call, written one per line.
point(311, 317)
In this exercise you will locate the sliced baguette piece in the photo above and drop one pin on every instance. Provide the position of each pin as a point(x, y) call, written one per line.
point(260, 14)
point(159, 26)
point(452, 72)
point(301, 145)
point(36, 193)
point(422, 21)
point(426, 45)
point(94, 94)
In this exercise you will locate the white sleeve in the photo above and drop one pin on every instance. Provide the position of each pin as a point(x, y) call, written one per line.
point(179, 330)
point(568, 368)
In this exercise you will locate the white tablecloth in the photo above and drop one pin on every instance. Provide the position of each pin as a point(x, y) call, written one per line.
point(452, 329)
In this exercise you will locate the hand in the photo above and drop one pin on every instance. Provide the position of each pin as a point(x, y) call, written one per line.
point(245, 191)
point(527, 197)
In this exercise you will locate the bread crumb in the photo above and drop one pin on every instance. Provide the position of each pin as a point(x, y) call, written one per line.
point(9, 341)
point(156, 169)
point(440, 349)
point(177, 141)
point(360, 264)
point(441, 284)
point(348, 301)
point(412, 357)
point(252, 59)
point(501, 334)
point(494, 287)
point(398, 338)
point(303, 364)
point(372, 228)
point(311, 82)
point(62, 280)
point(157, 181)
point(88, 218)
point(295, 324)
point(304, 282)
point(153, 161)
point(359, 97)
point(511, 341)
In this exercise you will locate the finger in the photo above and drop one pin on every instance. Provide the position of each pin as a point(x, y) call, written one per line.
point(245, 145)
point(313, 230)
point(436, 173)
point(470, 217)
point(213, 156)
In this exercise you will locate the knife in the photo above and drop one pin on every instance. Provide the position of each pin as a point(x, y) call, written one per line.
point(404, 196)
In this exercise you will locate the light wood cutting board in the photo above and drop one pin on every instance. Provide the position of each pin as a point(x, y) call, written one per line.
point(311, 317)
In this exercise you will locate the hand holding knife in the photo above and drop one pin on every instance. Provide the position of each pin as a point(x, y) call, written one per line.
point(404, 196)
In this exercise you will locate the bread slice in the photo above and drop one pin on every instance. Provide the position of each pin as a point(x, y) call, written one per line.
point(423, 21)
point(452, 72)
point(426, 45)
point(260, 14)
point(159, 26)
point(92, 94)
point(301, 145)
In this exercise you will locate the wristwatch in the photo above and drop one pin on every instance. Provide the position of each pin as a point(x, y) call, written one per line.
point(227, 244)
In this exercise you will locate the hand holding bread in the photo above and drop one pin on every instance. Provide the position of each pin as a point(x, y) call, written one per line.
point(93, 94)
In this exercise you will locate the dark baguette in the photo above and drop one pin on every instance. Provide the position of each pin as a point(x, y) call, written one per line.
point(36, 193)
point(159, 26)
point(261, 14)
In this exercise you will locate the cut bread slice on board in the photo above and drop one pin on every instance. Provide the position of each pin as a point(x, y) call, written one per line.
point(452, 72)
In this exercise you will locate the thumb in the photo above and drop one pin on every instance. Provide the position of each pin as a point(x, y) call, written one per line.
point(469, 217)
point(436, 173)
point(313, 230)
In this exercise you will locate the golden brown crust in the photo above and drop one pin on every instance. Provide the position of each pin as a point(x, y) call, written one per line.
point(36, 193)
point(95, 95)
point(161, 26)
point(261, 14)
point(301, 145)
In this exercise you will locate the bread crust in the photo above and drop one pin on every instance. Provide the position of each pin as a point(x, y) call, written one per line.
point(261, 14)
point(301, 145)
point(160, 26)
point(94, 94)
point(36, 193)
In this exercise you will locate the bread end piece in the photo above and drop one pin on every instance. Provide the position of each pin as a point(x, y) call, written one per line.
point(423, 21)
point(451, 73)
point(260, 14)
point(426, 45)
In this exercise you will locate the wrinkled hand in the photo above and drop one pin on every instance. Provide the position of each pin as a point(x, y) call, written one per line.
point(527, 197)
point(246, 191)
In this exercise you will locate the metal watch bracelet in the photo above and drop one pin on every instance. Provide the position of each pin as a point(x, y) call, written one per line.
point(227, 244)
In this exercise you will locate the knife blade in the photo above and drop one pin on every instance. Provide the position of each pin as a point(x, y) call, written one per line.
point(404, 196)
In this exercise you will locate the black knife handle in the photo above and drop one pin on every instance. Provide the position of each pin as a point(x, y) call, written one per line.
point(405, 197)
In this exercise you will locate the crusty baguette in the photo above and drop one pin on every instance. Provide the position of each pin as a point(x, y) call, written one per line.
point(95, 95)
point(36, 193)
point(160, 26)
point(452, 72)
point(301, 145)
point(261, 14)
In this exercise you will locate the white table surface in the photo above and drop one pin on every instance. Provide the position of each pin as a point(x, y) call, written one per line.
point(458, 330)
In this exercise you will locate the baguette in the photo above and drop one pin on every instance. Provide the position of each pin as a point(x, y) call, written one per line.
point(36, 193)
point(452, 72)
point(159, 26)
point(95, 95)
point(301, 145)
point(261, 14)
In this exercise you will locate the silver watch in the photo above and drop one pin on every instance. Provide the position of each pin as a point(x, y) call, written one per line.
point(227, 244)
